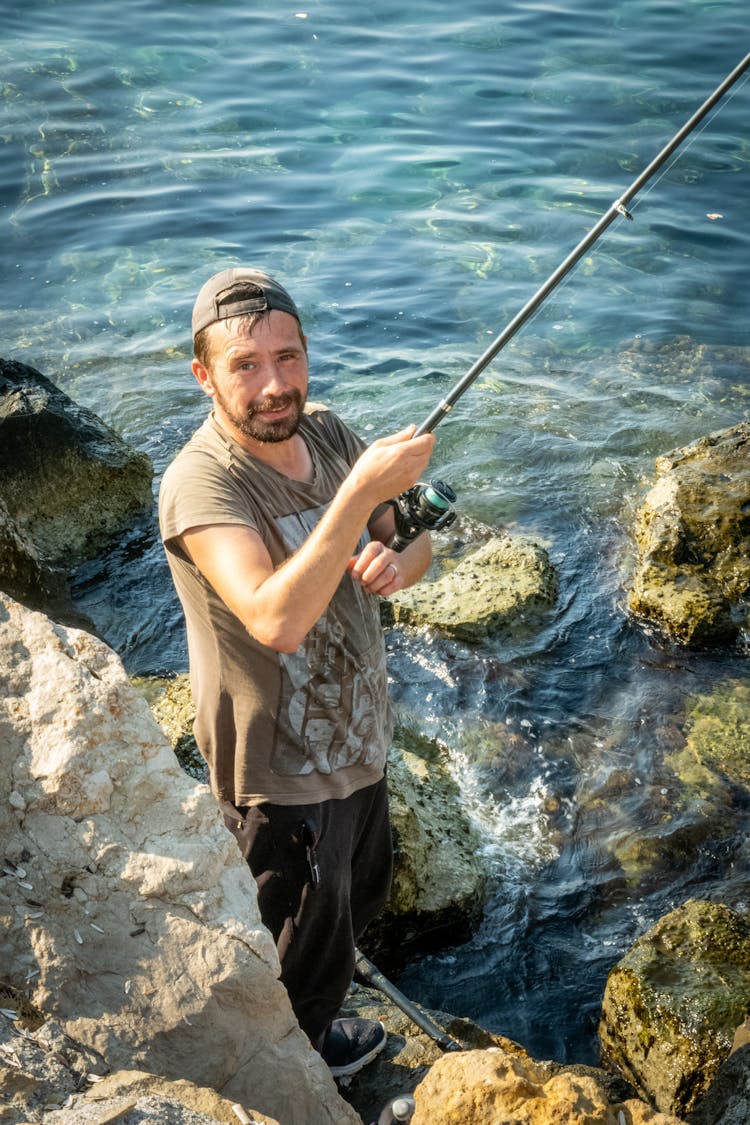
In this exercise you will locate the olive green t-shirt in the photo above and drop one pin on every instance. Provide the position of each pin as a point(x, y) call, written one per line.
point(290, 728)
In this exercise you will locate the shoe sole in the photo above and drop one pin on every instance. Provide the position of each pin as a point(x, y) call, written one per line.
point(354, 1067)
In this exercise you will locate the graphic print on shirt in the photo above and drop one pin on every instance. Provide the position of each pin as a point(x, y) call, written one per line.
point(334, 687)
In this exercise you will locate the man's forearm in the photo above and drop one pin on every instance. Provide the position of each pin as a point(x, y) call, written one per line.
point(297, 594)
point(414, 561)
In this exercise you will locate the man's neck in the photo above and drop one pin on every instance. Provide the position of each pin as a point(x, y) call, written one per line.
point(291, 457)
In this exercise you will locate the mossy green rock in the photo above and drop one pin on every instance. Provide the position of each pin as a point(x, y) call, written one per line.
point(692, 576)
point(439, 874)
point(715, 760)
point(672, 1004)
point(711, 770)
point(501, 586)
point(69, 483)
point(171, 703)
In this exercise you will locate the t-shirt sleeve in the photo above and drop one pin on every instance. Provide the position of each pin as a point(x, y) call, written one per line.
point(195, 492)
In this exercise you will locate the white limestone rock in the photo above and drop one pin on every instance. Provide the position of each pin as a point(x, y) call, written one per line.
point(126, 908)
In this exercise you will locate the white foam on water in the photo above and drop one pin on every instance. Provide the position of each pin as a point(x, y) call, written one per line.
point(515, 829)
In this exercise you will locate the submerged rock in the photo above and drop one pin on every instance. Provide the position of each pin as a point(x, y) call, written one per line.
point(506, 584)
point(715, 759)
point(693, 801)
point(692, 575)
point(672, 1004)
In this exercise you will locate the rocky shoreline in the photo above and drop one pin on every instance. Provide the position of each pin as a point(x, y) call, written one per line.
point(132, 950)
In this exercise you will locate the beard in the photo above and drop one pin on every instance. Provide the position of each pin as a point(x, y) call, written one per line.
point(260, 429)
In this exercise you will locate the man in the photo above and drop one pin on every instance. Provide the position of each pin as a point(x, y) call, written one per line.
point(276, 523)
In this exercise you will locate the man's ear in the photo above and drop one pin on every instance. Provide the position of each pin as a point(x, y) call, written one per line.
point(203, 376)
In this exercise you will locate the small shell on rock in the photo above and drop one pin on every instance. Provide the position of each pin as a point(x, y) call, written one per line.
point(77, 936)
point(9, 1014)
point(128, 984)
point(94, 926)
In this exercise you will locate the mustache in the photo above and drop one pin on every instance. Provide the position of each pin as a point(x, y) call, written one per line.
point(275, 402)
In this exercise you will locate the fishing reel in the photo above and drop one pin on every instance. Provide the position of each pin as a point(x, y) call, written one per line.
point(423, 507)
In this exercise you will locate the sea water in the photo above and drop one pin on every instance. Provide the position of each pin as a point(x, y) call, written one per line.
point(414, 172)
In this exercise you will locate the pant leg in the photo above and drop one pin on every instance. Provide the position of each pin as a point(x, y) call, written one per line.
point(372, 859)
point(315, 922)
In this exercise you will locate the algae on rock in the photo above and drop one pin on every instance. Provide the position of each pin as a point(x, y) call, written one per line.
point(692, 577)
point(672, 1003)
point(506, 584)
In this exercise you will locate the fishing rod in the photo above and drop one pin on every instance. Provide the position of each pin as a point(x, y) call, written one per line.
point(428, 507)
point(365, 969)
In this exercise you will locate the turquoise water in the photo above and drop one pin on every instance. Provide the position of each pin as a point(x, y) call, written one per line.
point(414, 172)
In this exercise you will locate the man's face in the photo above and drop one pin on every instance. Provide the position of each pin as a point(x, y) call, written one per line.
point(258, 377)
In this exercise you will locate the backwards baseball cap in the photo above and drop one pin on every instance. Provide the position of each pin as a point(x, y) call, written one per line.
point(259, 293)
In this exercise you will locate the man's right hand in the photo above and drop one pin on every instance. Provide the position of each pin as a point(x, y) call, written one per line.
point(392, 464)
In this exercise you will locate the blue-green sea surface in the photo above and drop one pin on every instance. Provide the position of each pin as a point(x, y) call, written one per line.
point(414, 172)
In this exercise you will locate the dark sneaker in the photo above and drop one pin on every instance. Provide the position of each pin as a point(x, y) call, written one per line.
point(351, 1044)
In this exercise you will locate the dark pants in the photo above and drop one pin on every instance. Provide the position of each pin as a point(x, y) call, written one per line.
point(323, 873)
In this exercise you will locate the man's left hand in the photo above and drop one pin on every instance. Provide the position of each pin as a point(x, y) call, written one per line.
point(377, 569)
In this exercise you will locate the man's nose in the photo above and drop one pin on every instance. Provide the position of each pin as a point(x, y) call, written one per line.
point(273, 379)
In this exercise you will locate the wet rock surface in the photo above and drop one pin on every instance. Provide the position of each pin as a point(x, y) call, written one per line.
point(673, 1002)
point(507, 583)
point(692, 574)
point(69, 485)
point(728, 1100)
point(440, 875)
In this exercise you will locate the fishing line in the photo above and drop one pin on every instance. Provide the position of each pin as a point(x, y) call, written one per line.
point(677, 156)
point(428, 507)
point(690, 143)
